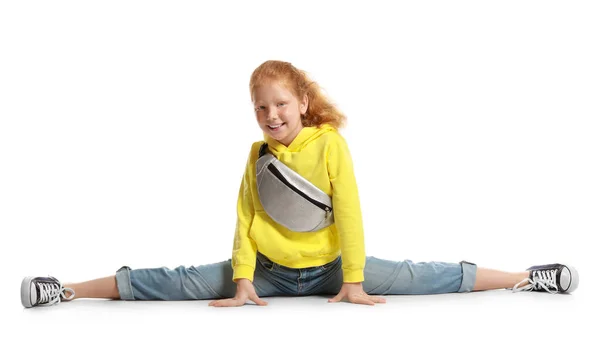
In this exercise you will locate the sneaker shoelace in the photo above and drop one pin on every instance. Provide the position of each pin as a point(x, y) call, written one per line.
point(51, 293)
point(540, 279)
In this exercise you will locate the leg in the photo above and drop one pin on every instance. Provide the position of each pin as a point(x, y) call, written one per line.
point(436, 277)
point(209, 281)
point(384, 277)
point(388, 277)
point(490, 279)
point(98, 288)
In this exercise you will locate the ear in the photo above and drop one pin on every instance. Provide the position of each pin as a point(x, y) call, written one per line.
point(304, 104)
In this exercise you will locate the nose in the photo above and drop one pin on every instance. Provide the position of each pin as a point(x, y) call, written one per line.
point(272, 113)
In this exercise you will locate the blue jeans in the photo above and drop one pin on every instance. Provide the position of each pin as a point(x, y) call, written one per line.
point(213, 281)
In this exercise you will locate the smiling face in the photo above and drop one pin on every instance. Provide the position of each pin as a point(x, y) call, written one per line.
point(279, 112)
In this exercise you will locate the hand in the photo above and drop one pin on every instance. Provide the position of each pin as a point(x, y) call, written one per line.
point(245, 290)
point(355, 294)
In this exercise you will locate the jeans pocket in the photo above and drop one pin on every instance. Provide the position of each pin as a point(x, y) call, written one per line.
point(266, 263)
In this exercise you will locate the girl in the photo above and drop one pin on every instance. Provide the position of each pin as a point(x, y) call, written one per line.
point(301, 130)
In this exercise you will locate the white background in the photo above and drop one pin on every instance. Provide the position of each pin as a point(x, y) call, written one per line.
point(473, 125)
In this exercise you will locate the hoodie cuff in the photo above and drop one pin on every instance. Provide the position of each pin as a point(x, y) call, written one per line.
point(353, 275)
point(243, 271)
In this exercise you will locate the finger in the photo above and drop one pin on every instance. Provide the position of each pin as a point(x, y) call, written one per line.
point(336, 299)
point(215, 302)
point(218, 302)
point(377, 299)
point(230, 303)
point(227, 302)
point(361, 299)
point(257, 300)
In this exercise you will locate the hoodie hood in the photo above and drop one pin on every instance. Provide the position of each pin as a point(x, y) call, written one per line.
point(304, 137)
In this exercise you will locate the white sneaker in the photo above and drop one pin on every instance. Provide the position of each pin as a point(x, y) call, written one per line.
point(43, 291)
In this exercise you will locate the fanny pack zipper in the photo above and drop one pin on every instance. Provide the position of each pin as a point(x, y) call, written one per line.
point(280, 176)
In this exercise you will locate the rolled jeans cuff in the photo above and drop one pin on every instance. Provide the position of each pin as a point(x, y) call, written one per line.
point(469, 271)
point(124, 283)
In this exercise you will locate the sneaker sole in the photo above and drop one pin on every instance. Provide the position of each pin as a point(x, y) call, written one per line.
point(574, 279)
point(25, 292)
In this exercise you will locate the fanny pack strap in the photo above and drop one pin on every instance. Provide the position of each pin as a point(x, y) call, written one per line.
point(263, 149)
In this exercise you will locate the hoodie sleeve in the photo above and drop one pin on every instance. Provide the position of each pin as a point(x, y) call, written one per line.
point(243, 258)
point(346, 209)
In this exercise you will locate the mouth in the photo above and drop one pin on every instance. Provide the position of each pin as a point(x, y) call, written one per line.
point(275, 128)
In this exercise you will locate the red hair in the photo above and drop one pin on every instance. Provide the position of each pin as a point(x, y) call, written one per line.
point(320, 110)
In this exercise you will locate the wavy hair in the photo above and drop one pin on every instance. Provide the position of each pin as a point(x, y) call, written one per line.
point(320, 109)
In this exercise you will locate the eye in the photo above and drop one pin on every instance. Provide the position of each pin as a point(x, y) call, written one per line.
point(281, 104)
point(259, 108)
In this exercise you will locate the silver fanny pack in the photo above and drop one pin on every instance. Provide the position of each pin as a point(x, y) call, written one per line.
point(288, 198)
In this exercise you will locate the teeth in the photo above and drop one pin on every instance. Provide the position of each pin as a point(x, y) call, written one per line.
point(274, 127)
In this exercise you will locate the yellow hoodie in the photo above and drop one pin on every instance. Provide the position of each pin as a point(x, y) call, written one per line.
point(320, 155)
